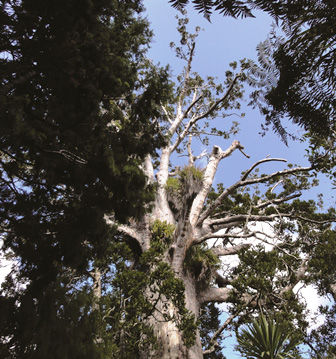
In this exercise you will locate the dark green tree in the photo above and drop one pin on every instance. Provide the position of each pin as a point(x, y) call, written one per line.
point(76, 105)
point(78, 108)
point(305, 64)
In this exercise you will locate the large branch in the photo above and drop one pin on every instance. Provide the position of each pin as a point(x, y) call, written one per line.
point(229, 251)
point(245, 182)
point(247, 218)
point(212, 294)
point(148, 169)
point(216, 156)
point(128, 231)
point(162, 209)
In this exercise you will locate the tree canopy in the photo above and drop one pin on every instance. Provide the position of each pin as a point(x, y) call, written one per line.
point(70, 73)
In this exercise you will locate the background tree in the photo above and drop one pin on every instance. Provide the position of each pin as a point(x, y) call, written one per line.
point(77, 103)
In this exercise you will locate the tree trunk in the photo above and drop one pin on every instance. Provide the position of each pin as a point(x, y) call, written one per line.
point(168, 335)
point(171, 343)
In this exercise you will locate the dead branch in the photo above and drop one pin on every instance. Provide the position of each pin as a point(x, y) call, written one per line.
point(187, 75)
point(278, 200)
point(69, 156)
point(247, 218)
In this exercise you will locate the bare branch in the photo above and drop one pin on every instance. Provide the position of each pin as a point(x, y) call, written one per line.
point(148, 169)
point(244, 182)
point(213, 341)
point(275, 174)
point(124, 229)
point(219, 101)
point(248, 218)
point(228, 251)
point(190, 155)
point(332, 220)
point(167, 114)
point(207, 113)
point(278, 200)
point(193, 103)
point(69, 156)
point(187, 75)
point(267, 159)
point(216, 156)
point(175, 172)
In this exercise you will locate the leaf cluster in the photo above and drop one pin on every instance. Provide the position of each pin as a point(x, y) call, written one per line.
point(266, 339)
point(242, 8)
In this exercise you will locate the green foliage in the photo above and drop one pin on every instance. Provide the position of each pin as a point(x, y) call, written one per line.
point(299, 72)
point(259, 274)
point(242, 8)
point(56, 322)
point(322, 260)
point(162, 233)
point(73, 135)
point(322, 338)
point(266, 339)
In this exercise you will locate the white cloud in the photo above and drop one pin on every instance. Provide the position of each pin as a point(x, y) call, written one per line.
point(5, 267)
point(309, 296)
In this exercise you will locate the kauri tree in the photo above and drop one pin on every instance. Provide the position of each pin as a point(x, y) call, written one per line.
point(176, 249)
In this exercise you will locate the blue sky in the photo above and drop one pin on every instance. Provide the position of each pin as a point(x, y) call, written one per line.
point(225, 40)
